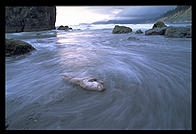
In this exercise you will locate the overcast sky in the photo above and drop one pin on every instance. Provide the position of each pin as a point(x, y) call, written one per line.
point(74, 15)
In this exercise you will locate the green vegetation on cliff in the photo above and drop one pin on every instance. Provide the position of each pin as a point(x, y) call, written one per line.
point(181, 14)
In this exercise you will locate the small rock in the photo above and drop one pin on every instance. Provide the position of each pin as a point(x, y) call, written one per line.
point(61, 28)
point(139, 31)
point(66, 28)
point(132, 38)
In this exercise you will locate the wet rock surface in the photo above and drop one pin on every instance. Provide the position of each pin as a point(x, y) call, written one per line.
point(178, 32)
point(159, 24)
point(17, 47)
point(139, 31)
point(121, 29)
point(156, 31)
point(66, 28)
point(160, 28)
point(132, 39)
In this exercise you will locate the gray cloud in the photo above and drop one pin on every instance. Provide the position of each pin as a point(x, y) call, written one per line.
point(144, 11)
point(127, 12)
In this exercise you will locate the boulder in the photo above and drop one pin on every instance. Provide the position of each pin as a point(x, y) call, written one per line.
point(87, 83)
point(121, 29)
point(158, 28)
point(132, 39)
point(139, 31)
point(156, 31)
point(159, 24)
point(17, 47)
point(178, 32)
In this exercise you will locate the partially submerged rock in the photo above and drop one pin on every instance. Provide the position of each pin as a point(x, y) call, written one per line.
point(158, 28)
point(178, 32)
point(156, 31)
point(121, 29)
point(17, 47)
point(139, 31)
point(132, 39)
point(66, 28)
point(159, 24)
point(87, 83)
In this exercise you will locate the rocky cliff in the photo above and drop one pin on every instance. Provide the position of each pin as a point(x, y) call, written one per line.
point(25, 19)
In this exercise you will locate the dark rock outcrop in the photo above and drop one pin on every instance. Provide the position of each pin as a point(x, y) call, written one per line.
point(121, 29)
point(158, 28)
point(17, 47)
point(156, 31)
point(66, 28)
point(139, 31)
point(178, 32)
point(34, 18)
point(159, 24)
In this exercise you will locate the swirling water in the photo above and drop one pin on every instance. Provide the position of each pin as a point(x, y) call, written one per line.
point(148, 82)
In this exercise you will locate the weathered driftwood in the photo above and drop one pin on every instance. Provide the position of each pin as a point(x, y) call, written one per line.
point(88, 83)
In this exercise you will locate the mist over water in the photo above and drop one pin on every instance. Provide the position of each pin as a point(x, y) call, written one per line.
point(148, 81)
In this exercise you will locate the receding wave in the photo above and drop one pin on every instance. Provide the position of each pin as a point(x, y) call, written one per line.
point(147, 81)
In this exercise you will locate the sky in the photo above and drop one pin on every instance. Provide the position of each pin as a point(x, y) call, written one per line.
point(74, 15)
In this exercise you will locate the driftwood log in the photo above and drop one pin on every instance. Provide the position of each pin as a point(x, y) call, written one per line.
point(87, 83)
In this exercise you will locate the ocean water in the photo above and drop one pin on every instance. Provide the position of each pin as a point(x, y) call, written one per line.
point(148, 81)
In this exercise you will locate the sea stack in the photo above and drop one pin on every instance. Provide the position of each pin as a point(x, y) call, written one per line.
point(29, 18)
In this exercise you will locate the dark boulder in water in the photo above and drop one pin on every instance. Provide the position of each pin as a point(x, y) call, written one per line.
point(17, 47)
point(178, 32)
point(132, 39)
point(158, 28)
point(61, 28)
point(121, 29)
point(159, 24)
point(139, 31)
point(156, 31)
point(66, 28)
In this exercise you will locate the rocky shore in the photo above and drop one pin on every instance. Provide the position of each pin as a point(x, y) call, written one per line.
point(159, 28)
